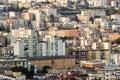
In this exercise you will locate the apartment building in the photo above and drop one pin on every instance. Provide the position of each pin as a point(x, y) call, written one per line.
point(13, 62)
point(99, 55)
point(22, 1)
point(97, 3)
point(25, 47)
point(58, 47)
point(24, 42)
point(55, 46)
point(101, 45)
point(43, 48)
point(115, 56)
point(22, 33)
point(49, 10)
point(8, 51)
point(36, 13)
point(96, 12)
point(63, 3)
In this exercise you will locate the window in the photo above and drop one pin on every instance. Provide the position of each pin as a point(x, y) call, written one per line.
point(102, 55)
point(93, 56)
point(106, 75)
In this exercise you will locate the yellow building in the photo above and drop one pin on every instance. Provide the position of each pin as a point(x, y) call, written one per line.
point(99, 55)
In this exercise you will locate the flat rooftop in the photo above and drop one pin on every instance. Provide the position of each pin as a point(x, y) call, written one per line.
point(49, 57)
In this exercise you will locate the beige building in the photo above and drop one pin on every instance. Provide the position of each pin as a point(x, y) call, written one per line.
point(92, 64)
point(39, 17)
point(101, 45)
point(22, 33)
point(63, 3)
point(13, 14)
point(60, 33)
point(99, 55)
point(36, 12)
point(94, 12)
point(26, 5)
point(57, 62)
point(83, 18)
point(49, 10)
point(28, 16)
point(115, 17)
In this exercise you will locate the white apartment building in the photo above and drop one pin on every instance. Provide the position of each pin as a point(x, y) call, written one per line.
point(58, 47)
point(26, 47)
point(24, 42)
point(19, 48)
point(22, 1)
point(43, 48)
point(97, 3)
point(109, 73)
point(49, 45)
point(55, 46)
point(115, 57)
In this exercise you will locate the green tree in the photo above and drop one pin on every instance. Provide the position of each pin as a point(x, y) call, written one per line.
point(44, 69)
point(51, 18)
point(117, 41)
point(25, 71)
point(76, 18)
point(64, 8)
point(112, 11)
point(112, 42)
point(2, 28)
point(20, 69)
